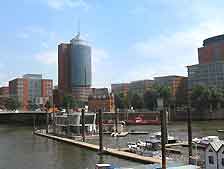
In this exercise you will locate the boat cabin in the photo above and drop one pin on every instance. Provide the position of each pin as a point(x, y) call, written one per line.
point(73, 122)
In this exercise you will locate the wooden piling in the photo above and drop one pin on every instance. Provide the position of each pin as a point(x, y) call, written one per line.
point(100, 132)
point(163, 130)
point(189, 133)
point(83, 125)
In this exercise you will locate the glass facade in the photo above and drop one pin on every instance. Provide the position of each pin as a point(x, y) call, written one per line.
point(206, 74)
point(81, 74)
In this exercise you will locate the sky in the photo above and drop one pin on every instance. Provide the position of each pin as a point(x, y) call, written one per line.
point(131, 40)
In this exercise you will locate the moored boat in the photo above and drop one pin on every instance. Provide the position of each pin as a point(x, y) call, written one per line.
point(140, 120)
point(157, 136)
point(204, 141)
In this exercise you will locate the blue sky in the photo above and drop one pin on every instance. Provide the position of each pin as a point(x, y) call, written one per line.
point(130, 39)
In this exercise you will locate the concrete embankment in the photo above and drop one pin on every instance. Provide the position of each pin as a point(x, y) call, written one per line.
point(113, 152)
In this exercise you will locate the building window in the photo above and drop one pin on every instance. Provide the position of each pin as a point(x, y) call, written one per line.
point(222, 161)
point(210, 150)
point(211, 159)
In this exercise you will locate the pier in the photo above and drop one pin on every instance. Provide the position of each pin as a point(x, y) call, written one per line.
point(109, 151)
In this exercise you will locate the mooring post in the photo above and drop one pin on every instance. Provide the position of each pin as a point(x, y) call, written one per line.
point(83, 125)
point(54, 123)
point(165, 126)
point(34, 123)
point(189, 133)
point(47, 121)
point(116, 122)
point(100, 131)
point(162, 118)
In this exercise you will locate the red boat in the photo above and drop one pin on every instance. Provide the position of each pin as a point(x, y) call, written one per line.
point(139, 120)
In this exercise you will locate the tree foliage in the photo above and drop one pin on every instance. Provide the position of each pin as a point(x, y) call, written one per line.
point(137, 101)
point(119, 100)
point(70, 102)
point(150, 101)
point(12, 104)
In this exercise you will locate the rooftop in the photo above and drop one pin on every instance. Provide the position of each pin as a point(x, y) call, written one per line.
point(214, 39)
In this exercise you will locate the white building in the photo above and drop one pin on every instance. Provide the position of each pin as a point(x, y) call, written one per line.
point(214, 155)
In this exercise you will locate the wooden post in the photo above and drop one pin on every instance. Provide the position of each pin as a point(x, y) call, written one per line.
point(116, 123)
point(189, 133)
point(34, 123)
point(47, 121)
point(54, 123)
point(162, 118)
point(68, 127)
point(165, 126)
point(83, 125)
point(100, 131)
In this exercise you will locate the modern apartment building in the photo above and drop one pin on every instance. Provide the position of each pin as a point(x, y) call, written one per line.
point(74, 69)
point(210, 70)
point(120, 88)
point(31, 89)
point(177, 84)
point(141, 86)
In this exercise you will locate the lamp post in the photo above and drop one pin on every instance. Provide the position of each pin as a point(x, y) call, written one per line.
point(163, 130)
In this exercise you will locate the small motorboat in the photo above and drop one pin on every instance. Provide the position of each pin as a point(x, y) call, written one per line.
point(105, 166)
point(206, 140)
point(119, 134)
point(220, 130)
point(157, 136)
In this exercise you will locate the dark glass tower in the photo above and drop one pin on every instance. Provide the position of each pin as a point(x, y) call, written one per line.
point(81, 74)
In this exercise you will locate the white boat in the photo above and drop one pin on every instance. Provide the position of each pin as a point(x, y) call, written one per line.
point(157, 136)
point(206, 140)
point(105, 166)
point(119, 134)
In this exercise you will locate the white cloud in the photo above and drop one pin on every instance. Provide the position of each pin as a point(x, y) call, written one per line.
point(61, 4)
point(171, 53)
point(101, 68)
point(47, 57)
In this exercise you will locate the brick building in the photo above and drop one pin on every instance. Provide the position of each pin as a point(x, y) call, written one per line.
point(141, 86)
point(177, 84)
point(4, 95)
point(101, 99)
point(4, 91)
point(31, 89)
point(210, 70)
point(120, 88)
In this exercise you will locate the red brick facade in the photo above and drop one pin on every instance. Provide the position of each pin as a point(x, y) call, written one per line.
point(63, 67)
point(4, 91)
point(106, 104)
point(210, 53)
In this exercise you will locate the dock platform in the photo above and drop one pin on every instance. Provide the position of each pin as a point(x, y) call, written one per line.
point(110, 151)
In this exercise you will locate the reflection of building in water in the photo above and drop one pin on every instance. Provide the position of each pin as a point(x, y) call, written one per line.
point(73, 123)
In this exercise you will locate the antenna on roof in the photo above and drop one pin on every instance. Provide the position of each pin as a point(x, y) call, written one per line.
point(78, 34)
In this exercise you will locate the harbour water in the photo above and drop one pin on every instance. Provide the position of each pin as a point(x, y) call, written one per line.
point(19, 148)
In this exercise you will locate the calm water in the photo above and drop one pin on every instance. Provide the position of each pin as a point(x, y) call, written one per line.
point(20, 149)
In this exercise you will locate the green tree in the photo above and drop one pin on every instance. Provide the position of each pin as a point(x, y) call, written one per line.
point(69, 102)
point(119, 101)
point(137, 101)
point(200, 97)
point(150, 101)
point(12, 104)
point(163, 91)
